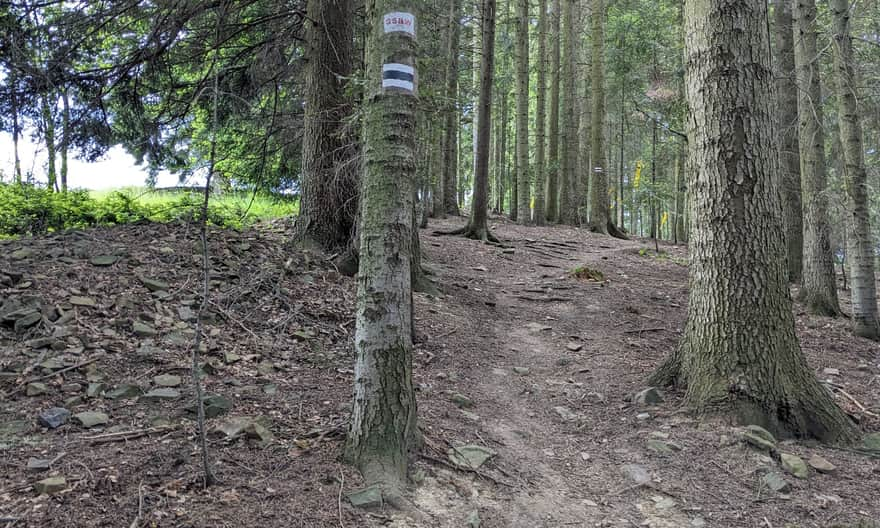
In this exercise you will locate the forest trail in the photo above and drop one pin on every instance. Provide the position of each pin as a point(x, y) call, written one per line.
point(515, 354)
point(573, 449)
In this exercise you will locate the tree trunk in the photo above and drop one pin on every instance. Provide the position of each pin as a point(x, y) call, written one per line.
point(600, 209)
point(541, 118)
point(553, 162)
point(478, 227)
point(49, 135)
point(504, 165)
point(383, 422)
point(819, 288)
point(329, 200)
point(739, 352)
point(450, 137)
point(585, 124)
point(860, 246)
point(568, 139)
point(65, 136)
point(16, 126)
point(789, 155)
point(523, 183)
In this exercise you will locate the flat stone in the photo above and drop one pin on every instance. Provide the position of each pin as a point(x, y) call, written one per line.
point(473, 518)
point(36, 389)
point(154, 285)
point(470, 456)
point(538, 327)
point(462, 401)
point(21, 254)
point(51, 485)
point(89, 419)
point(95, 390)
point(215, 405)
point(27, 321)
point(86, 302)
point(643, 416)
point(102, 261)
point(167, 380)
point(775, 482)
point(126, 391)
point(574, 347)
point(636, 473)
point(649, 396)
point(831, 372)
point(38, 464)
point(565, 413)
point(663, 447)
point(231, 357)
point(370, 497)
point(53, 418)
point(186, 313)
point(821, 465)
point(871, 442)
point(143, 330)
point(794, 465)
point(522, 371)
point(161, 394)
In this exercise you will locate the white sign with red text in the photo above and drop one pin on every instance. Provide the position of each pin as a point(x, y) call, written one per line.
point(400, 23)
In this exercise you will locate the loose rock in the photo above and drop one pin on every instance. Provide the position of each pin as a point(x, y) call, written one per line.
point(370, 497)
point(470, 456)
point(565, 413)
point(795, 465)
point(154, 285)
point(649, 396)
point(775, 482)
point(51, 485)
point(636, 473)
point(89, 419)
point(167, 380)
point(462, 401)
point(53, 418)
point(821, 465)
point(161, 394)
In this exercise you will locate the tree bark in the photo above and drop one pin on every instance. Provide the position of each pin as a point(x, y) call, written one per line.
point(568, 141)
point(819, 287)
point(739, 353)
point(860, 243)
point(329, 199)
point(541, 118)
point(523, 183)
point(450, 136)
point(65, 136)
point(585, 124)
point(49, 136)
point(789, 154)
point(383, 422)
point(553, 162)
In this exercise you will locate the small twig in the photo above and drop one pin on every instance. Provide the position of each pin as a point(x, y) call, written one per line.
point(137, 520)
point(639, 331)
point(126, 435)
point(767, 522)
point(47, 376)
point(857, 403)
point(339, 497)
point(447, 334)
point(466, 470)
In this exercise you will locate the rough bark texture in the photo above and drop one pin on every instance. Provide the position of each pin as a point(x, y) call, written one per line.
point(523, 183)
point(65, 137)
point(450, 136)
point(552, 196)
point(789, 152)
point(49, 136)
point(600, 208)
point(585, 124)
point(541, 117)
point(568, 141)
point(740, 353)
point(329, 203)
point(819, 288)
point(383, 422)
point(860, 243)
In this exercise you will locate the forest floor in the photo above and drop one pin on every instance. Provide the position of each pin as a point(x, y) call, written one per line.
point(517, 354)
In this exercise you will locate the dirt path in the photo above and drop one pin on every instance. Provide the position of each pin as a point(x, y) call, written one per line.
point(571, 445)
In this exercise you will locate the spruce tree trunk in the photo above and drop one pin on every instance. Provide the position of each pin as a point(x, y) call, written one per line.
point(739, 353)
point(505, 161)
point(16, 127)
point(860, 242)
point(329, 199)
point(553, 161)
point(789, 152)
point(585, 124)
point(523, 183)
point(819, 288)
point(478, 227)
point(65, 136)
point(450, 137)
point(383, 422)
point(49, 136)
point(541, 118)
point(568, 140)
point(600, 208)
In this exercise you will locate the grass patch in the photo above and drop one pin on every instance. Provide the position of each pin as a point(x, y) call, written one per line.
point(29, 210)
point(588, 274)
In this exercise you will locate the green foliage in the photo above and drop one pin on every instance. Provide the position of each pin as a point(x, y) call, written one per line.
point(588, 274)
point(29, 210)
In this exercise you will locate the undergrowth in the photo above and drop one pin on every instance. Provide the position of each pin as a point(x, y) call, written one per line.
point(29, 210)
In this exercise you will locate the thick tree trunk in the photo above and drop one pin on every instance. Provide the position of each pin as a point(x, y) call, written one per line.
point(585, 124)
point(568, 141)
point(541, 118)
point(329, 200)
point(478, 227)
point(504, 164)
point(450, 137)
point(819, 288)
point(383, 422)
point(739, 352)
point(523, 183)
point(860, 243)
point(553, 161)
point(789, 152)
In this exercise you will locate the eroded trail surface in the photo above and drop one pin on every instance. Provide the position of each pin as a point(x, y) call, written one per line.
point(530, 355)
point(540, 362)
